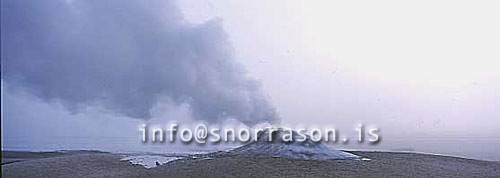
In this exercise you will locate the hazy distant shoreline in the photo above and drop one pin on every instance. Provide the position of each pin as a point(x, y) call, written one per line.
point(380, 164)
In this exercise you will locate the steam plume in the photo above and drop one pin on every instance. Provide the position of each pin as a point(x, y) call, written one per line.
point(126, 55)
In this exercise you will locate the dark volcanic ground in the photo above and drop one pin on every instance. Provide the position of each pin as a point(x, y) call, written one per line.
point(382, 164)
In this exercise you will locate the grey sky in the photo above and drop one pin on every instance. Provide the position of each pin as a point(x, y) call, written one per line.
point(396, 64)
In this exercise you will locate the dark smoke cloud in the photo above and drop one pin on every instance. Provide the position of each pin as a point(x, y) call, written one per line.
point(125, 56)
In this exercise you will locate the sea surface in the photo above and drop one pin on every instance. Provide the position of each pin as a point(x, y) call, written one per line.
point(475, 148)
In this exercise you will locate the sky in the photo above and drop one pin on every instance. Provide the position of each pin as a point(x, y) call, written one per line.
point(390, 62)
point(412, 69)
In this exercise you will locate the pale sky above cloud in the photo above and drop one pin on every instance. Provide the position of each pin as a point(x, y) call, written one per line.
point(390, 63)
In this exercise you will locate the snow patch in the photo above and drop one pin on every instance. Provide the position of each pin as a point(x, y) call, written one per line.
point(149, 161)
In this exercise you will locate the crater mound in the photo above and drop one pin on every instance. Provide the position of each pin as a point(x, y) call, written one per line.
point(307, 149)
